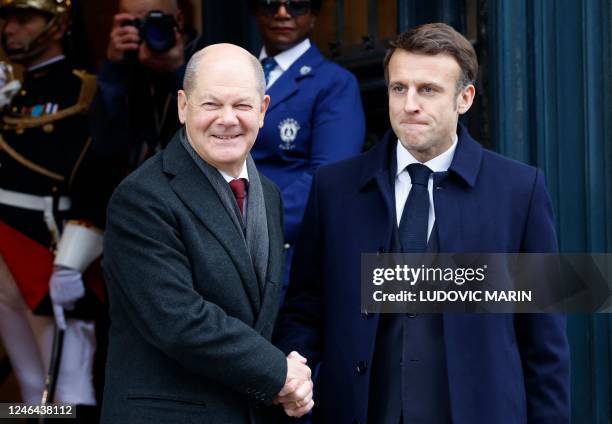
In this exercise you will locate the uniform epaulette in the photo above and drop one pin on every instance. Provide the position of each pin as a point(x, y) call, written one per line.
point(88, 88)
point(86, 94)
point(20, 124)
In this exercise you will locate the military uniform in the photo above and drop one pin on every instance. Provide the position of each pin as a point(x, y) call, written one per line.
point(46, 136)
point(45, 139)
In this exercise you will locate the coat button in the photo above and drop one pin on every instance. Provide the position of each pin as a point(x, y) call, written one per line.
point(412, 315)
point(286, 246)
point(361, 367)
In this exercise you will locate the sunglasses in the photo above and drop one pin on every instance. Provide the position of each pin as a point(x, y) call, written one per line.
point(293, 7)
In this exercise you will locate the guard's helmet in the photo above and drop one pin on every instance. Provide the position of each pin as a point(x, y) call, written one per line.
point(54, 8)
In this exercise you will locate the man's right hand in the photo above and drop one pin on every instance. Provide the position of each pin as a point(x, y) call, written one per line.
point(296, 396)
point(122, 38)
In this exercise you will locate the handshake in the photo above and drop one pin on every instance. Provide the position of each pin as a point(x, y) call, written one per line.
point(296, 395)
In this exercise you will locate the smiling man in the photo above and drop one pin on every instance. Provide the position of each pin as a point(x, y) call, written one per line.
point(428, 187)
point(194, 265)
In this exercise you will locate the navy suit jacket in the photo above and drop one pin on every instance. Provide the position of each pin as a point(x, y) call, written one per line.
point(501, 368)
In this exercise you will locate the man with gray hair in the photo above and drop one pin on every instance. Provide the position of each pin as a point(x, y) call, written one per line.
point(194, 263)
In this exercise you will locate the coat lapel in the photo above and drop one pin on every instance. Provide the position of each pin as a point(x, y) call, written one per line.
point(196, 192)
point(450, 200)
point(304, 67)
point(378, 171)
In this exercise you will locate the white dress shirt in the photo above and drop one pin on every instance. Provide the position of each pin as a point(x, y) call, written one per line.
point(284, 59)
point(403, 184)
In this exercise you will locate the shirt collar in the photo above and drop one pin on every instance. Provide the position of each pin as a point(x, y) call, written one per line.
point(288, 57)
point(227, 177)
point(243, 174)
point(440, 163)
point(47, 62)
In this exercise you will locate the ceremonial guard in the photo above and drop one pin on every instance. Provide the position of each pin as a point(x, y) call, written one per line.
point(48, 243)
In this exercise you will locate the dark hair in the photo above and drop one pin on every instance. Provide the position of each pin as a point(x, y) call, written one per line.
point(434, 39)
point(315, 5)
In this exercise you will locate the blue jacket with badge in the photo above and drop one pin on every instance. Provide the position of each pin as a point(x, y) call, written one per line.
point(315, 117)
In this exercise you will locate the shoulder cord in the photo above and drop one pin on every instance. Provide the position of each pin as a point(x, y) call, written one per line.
point(88, 88)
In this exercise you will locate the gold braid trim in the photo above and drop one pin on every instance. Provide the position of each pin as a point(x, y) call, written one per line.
point(88, 90)
point(86, 94)
point(27, 163)
point(77, 164)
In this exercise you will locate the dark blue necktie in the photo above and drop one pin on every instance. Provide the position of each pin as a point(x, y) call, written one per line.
point(413, 225)
point(268, 65)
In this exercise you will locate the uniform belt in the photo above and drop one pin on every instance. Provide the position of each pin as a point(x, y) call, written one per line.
point(37, 203)
point(32, 202)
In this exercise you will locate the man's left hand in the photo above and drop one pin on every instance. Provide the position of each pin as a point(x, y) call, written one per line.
point(299, 402)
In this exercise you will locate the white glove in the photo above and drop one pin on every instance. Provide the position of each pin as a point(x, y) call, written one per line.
point(65, 288)
point(8, 91)
point(9, 86)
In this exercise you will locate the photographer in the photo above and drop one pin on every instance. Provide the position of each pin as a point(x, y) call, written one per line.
point(134, 111)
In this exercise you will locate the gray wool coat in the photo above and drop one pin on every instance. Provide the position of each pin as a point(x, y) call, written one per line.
point(190, 322)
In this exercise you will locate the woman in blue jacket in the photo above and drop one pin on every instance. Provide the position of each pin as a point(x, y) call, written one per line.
point(315, 115)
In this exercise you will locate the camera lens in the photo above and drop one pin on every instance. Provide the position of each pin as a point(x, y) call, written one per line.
point(158, 31)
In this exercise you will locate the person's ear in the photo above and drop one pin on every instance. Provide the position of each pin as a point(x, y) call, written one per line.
point(313, 19)
point(180, 20)
point(465, 99)
point(182, 106)
point(262, 111)
point(60, 30)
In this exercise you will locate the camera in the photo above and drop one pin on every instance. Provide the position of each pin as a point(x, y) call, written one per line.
point(157, 30)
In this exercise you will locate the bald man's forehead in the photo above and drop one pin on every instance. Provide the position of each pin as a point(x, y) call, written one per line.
point(141, 8)
point(221, 70)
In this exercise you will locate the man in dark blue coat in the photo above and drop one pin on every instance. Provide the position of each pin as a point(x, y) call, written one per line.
point(429, 368)
point(315, 115)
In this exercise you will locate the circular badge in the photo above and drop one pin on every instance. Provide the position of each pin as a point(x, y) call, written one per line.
point(289, 128)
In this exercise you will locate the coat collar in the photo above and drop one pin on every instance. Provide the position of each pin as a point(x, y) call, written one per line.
point(287, 84)
point(468, 156)
point(465, 164)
